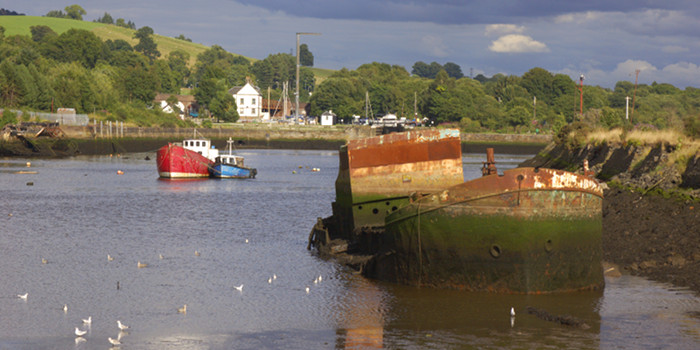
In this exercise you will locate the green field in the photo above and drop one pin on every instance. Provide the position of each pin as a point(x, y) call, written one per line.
point(19, 25)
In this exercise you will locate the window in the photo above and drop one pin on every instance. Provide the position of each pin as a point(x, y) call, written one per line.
point(197, 143)
point(253, 102)
point(241, 100)
point(252, 110)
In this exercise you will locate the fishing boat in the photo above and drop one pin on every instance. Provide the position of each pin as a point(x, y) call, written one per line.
point(228, 165)
point(190, 158)
point(412, 219)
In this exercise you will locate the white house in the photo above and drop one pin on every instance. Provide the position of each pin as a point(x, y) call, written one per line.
point(249, 101)
point(328, 118)
point(186, 105)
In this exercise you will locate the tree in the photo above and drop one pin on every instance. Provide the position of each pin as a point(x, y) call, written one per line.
point(177, 61)
point(75, 12)
point(306, 58)
point(106, 18)
point(146, 44)
point(453, 70)
point(75, 45)
point(223, 106)
point(182, 37)
point(56, 14)
point(172, 102)
point(41, 33)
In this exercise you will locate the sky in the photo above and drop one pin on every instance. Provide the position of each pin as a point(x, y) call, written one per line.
point(606, 41)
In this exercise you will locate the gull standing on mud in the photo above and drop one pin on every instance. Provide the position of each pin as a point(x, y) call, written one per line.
point(122, 326)
point(114, 342)
point(23, 296)
point(79, 332)
point(239, 288)
point(87, 321)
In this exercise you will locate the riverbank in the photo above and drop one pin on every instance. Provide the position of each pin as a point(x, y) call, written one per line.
point(650, 211)
point(107, 139)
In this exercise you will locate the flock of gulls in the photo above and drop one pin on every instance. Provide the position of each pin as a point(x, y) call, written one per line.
point(116, 342)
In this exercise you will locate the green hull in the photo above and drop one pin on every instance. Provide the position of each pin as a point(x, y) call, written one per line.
point(527, 240)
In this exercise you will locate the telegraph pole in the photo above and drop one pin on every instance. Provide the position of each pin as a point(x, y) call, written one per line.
point(296, 93)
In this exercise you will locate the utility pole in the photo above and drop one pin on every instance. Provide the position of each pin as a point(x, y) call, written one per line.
point(581, 90)
point(296, 93)
point(634, 95)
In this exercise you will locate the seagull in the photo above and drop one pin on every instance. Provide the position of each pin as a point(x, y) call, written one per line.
point(316, 280)
point(65, 308)
point(320, 278)
point(122, 326)
point(114, 341)
point(87, 320)
point(512, 312)
point(307, 290)
point(160, 256)
point(239, 288)
point(196, 253)
point(79, 333)
point(269, 280)
point(274, 276)
point(23, 296)
point(182, 310)
point(109, 257)
point(44, 261)
point(246, 240)
point(140, 264)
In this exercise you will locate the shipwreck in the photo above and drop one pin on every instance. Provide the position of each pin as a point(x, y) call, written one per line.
point(403, 213)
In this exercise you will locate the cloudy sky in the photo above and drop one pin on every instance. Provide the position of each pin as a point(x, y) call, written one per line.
point(606, 40)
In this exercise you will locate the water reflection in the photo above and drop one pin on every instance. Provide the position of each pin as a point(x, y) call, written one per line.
point(79, 211)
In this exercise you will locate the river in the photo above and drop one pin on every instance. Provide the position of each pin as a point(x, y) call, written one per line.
point(60, 219)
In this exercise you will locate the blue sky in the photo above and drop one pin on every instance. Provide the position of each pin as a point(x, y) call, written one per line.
point(606, 41)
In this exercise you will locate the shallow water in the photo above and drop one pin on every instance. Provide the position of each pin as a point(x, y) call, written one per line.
point(74, 212)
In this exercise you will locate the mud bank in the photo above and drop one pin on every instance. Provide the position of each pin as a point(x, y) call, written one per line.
point(650, 211)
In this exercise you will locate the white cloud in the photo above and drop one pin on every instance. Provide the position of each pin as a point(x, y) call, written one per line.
point(501, 29)
point(675, 49)
point(516, 43)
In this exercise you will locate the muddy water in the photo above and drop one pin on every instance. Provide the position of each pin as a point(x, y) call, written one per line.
point(75, 212)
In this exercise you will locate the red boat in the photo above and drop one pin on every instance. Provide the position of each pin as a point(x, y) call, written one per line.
point(191, 158)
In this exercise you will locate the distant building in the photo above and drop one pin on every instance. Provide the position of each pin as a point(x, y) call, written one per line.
point(249, 101)
point(328, 118)
point(186, 105)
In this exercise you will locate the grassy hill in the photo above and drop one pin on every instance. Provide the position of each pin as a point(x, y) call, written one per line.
point(19, 25)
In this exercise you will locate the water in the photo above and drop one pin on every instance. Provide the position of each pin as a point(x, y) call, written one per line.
point(74, 212)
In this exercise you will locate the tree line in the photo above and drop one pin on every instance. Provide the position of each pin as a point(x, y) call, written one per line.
point(536, 101)
point(118, 81)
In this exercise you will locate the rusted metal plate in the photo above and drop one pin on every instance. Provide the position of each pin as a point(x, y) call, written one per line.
point(527, 231)
point(401, 163)
point(377, 174)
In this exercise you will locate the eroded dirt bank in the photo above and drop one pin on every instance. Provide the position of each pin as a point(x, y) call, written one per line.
point(651, 219)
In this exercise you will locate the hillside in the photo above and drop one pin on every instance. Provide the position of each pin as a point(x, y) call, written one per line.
point(19, 25)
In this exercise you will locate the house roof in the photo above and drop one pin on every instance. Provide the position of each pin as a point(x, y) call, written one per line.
point(234, 90)
point(182, 98)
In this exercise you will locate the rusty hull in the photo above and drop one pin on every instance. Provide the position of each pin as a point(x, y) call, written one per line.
point(526, 231)
point(377, 174)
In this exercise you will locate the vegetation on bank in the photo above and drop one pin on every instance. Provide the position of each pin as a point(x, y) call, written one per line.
point(112, 70)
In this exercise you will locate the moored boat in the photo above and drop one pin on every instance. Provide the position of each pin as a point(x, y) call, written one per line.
point(228, 165)
point(188, 159)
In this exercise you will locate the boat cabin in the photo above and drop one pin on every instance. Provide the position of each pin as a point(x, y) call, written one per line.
point(230, 159)
point(201, 146)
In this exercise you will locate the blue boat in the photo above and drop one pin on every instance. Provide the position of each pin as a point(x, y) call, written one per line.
point(228, 165)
